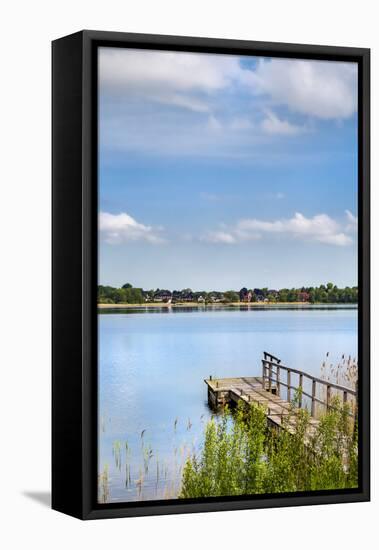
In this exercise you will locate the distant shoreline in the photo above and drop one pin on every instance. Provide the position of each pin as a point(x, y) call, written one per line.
point(216, 305)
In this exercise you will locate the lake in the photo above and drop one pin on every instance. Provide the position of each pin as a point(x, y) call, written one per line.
point(152, 365)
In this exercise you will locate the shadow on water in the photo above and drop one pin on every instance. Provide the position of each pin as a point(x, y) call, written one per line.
point(231, 308)
point(41, 497)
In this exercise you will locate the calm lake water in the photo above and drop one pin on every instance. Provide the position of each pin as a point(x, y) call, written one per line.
point(152, 365)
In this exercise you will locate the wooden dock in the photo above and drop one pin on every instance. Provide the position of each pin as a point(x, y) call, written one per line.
point(267, 390)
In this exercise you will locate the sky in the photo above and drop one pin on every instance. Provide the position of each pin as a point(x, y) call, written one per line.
point(219, 171)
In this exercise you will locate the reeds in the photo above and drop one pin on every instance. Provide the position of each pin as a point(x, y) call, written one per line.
point(145, 474)
point(103, 485)
point(343, 372)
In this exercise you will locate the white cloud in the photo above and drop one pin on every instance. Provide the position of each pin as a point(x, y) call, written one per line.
point(320, 228)
point(219, 237)
point(272, 124)
point(352, 222)
point(119, 228)
point(184, 100)
point(324, 89)
point(167, 77)
point(173, 70)
point(180, 103)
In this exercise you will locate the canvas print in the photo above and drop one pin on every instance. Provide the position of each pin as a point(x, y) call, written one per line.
point(227, 275)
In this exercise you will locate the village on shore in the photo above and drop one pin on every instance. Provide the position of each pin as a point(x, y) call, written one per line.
point(328, 294)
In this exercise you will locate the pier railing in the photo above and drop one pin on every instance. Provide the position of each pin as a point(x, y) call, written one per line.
point(272, 371)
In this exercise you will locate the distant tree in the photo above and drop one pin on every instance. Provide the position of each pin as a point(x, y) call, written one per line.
point(283, 295)
point(292, 295)
point(134, 295)
point(231, 296)
point(127, 285)
point(120, 296)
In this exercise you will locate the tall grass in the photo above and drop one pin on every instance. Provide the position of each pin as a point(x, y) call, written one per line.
point(241, 455)
point(343, 372)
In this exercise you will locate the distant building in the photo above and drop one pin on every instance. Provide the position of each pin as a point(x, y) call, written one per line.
point(183, 296)
point(259, 295)
point(272, 294)
point(216, 297)
point(163, 296)
point(187, 296)
point(176, 296)
point(245, 295)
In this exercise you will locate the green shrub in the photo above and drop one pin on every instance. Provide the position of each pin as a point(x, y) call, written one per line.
point(241, 455)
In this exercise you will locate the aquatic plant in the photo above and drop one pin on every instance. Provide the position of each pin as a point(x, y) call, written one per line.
point(116, 451)
point(147, 456)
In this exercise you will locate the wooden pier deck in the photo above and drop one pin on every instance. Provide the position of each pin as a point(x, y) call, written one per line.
point(266, 390)
point(226, 391)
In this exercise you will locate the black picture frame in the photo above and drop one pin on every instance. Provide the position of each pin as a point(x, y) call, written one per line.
point(74, 272)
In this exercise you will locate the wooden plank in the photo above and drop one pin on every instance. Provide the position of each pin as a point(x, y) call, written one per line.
point(250, 391)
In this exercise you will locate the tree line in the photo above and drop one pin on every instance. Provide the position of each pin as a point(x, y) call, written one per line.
point(323, 294)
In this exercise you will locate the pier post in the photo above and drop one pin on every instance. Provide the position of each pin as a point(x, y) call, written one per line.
point(300, 390)
point(263, 374)
point(313, 406)
point(328, 394)
point(269, 377)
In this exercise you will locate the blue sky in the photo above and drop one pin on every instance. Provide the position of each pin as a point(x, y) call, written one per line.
point(217, 172)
